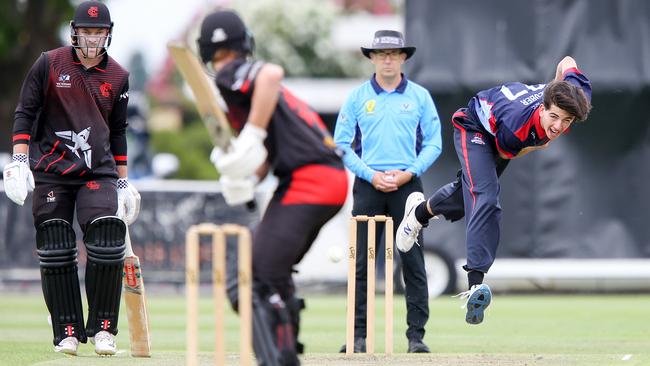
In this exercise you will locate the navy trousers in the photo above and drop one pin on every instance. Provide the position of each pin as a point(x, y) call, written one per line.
point(481, 167)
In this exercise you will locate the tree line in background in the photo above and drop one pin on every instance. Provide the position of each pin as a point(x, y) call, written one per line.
point(27, 28)
point(295, 35)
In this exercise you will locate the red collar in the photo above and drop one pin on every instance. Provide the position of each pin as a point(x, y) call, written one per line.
point(101, 66)
point(541, 134)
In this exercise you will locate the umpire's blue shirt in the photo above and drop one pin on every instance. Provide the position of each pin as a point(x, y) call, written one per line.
point(388, 130)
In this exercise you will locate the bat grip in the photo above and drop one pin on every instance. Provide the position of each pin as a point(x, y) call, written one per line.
point(127, 240)
point(251, 205)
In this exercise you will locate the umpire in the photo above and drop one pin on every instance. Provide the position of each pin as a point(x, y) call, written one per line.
point(390, 132)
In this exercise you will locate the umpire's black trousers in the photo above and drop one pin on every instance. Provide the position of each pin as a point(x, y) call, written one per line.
point(369, 201)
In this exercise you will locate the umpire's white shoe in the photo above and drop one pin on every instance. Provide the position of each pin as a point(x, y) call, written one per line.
point(409, 228)
point(68, 346)
point(104, 343)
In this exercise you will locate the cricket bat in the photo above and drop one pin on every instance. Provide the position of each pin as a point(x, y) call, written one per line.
point(136, 304)
point(205, 94)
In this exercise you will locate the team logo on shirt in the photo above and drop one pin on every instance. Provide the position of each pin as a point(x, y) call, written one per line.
point(478, 139)
point(106, 89)
point(80, 141)
point(64, 81)
point(93, 185)
point(406, 108)
point(51, 198)
point(370, 106)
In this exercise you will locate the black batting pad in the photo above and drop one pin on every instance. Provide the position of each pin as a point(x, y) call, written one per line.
point(105, 245)
point(57, 252)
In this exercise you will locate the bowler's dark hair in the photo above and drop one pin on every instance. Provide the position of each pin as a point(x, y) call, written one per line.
point(567, 97)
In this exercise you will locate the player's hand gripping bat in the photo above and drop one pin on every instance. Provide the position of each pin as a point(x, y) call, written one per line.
point(206, 97)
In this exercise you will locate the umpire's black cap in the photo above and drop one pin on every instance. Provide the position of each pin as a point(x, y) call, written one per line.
point(92, 14)
point(223, 29)
point(388, 40)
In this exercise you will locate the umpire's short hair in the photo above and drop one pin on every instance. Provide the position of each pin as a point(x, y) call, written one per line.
point(567, 97)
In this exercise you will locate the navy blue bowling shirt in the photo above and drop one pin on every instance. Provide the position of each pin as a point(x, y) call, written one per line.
point(510, 112)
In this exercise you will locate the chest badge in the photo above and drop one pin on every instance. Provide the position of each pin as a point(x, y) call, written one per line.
point(106, 89)
point(370, 106)
point(64, 81)
point(80, 141)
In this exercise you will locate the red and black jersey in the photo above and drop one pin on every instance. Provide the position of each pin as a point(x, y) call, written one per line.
point(296, 134)
point(73, 118)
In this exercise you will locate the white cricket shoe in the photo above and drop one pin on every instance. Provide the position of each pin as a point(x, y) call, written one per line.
point(68, 346)
point(104, 343)
point(409, 228)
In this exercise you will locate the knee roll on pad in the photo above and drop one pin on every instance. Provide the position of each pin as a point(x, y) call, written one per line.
point(105, 243)
point(57, 252)
point(56, 243)
point(104, 240)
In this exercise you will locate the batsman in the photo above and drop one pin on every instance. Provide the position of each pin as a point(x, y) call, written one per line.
point(69, 146)
point(280, 133)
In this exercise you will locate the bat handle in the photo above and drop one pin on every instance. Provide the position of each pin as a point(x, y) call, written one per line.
point(251, 205)
point(128, 252)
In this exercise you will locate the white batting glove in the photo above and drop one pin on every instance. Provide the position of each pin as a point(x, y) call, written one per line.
point(238, 191)
point(128, 201)
point(18, 179)
point(245, 155)
point(216, 154)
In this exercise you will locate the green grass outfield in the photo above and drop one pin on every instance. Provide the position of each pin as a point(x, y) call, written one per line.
point(518, 330)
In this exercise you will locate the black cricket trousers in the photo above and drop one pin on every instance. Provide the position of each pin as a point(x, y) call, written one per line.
point(369, 201)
